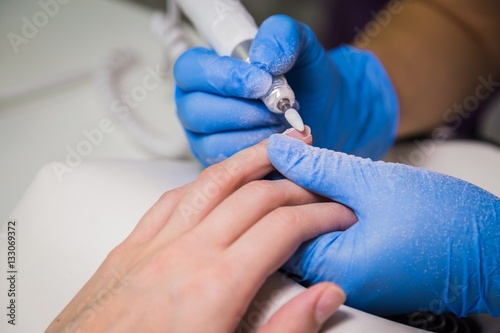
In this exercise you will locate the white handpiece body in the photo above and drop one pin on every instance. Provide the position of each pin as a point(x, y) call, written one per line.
point(224, 24)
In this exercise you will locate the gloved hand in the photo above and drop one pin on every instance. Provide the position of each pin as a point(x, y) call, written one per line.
point(345, 95)
point(423, 240)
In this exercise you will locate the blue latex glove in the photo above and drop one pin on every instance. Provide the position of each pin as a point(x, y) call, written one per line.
point(345, 95)
point(423, 240)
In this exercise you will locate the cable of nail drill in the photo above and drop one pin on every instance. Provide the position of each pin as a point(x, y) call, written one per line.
point(228, 27)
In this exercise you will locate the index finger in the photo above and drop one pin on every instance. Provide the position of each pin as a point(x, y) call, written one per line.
point(216, 183)
point(269, 243)
point(201, 69)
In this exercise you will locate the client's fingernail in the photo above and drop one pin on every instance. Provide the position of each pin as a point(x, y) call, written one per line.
point(329, 302)
point(293, 133)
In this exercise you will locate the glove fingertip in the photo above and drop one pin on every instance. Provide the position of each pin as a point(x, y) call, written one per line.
point(258, 83)
point(285, 151)
point(185, 61)
point(276, 46)
point(332, 174)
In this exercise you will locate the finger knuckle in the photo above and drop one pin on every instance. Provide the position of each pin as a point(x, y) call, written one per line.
point(287, 215)
point(263, 189)
point(117, 254)
point(213, 172)
point(169, 196)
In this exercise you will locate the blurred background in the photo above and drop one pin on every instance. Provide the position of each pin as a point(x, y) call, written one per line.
point(313, 12)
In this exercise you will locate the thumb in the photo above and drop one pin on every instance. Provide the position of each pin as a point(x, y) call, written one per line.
point(343, 178)
point(306, 312)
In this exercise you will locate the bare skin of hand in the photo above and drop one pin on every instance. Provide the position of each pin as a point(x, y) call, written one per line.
point(197, 258)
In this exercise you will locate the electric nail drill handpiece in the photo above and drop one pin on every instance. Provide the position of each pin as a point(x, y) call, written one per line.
point(228, 27)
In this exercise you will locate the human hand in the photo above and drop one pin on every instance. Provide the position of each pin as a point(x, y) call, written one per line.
point(345, 95)
point(198, 256)
point(423, 241)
